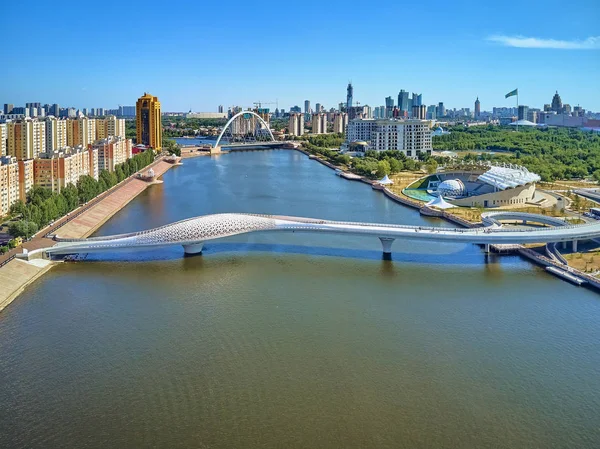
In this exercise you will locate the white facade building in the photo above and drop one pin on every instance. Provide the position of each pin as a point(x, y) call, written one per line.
point(319, 123)
point(296, 124)
point(408, 136)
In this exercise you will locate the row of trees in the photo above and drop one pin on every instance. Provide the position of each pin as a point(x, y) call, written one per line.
point(553, 153)
point(43, 206)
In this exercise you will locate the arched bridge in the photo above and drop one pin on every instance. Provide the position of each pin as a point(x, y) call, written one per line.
point(193, 232)
point(246, 127)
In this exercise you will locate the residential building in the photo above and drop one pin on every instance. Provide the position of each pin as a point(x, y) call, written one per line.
point(129, 111)
point(8, 108)
point(477, 108)
point(319, 123)
point(57, 169)
point(26, 138)
point(110, 126)
point(408, 136)
point(340, 122)
point(9, 183)
point(56, 133)
point(26, 178)
point(112, 151)
point(3, 139)
point(81, 131)
point(148, 121)
point(419, 112)
point(296, 124)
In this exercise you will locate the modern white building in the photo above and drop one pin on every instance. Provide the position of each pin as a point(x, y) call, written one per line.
point(408, 136)
point(3, 139)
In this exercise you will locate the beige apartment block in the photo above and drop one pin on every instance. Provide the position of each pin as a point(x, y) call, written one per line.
point(112, 151)
point(9, 183)
point(26, 138)
point(56, 170)
point(56, 133)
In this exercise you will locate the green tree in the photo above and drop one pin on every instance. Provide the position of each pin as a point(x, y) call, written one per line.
point(383, 168)
point(22, 228)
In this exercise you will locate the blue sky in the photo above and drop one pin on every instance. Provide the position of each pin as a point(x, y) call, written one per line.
point(197, 55)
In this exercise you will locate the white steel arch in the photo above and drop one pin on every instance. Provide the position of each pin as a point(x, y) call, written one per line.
point(239, 114)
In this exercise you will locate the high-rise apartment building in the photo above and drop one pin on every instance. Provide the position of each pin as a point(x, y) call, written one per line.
point(8, 108)
point(3, 139)
point(56, 133)
point(112, 151)
point(9, 183)
point(296, 124)
point(81, 131)
point(340, 121)
point(55, 170)
point(319, 123)
point(419, 112)
point(26, 179)
point(477, 108)
point(110, 126)
point(408, 136)
point(26, 138)
point(148, 121)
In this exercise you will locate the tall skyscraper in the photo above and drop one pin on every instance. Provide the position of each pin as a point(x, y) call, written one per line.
point(523, 111)
point(389, 106)
point(220, 109)
point(307, 106)
point(403, 100)
point(349, 96)
point(148, 121)
point(417, 99)
point(477, 108)
point(557, 105)
point(8, 108)
point(441, 110)
point(318, 108)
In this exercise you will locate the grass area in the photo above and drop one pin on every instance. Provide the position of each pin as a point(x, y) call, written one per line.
point(403, 180)
point(562, 185)
point(588, 262)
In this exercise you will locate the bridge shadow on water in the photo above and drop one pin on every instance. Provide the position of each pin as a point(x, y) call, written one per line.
point(466, 255)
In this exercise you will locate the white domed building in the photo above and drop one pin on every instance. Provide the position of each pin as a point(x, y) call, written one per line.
point(452, 188)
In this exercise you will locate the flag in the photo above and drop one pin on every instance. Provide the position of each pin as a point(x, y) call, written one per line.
point(512, 94)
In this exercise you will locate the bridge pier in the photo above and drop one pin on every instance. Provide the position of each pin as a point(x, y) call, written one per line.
point(574, 246)
point(193, 248)
point(386, 243)
point(564, 245)
point(486, 248)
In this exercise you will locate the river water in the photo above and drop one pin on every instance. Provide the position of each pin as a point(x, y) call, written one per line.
point(296, 340)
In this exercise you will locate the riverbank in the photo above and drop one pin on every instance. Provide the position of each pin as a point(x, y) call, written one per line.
point(17, 274)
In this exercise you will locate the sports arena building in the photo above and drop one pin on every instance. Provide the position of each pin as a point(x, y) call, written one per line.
point(481, 186)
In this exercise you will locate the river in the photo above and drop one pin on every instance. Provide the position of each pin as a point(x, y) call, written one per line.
point(296, 340)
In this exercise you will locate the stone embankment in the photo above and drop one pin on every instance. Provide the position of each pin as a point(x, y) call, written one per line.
point(16, 274)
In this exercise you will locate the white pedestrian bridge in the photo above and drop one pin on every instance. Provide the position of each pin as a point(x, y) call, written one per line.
point(193, 232)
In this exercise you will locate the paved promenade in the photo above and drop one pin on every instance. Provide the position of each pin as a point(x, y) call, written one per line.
point(17, 274)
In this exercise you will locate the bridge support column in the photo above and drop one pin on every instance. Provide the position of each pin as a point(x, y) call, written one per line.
point(574, 246)
point(386, 243)
point(194, 248)
point(486, 248)
point(564, 245)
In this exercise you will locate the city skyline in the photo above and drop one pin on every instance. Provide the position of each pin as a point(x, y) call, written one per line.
point(465, 53)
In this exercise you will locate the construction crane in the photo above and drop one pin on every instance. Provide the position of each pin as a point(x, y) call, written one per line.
point(258, 104)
